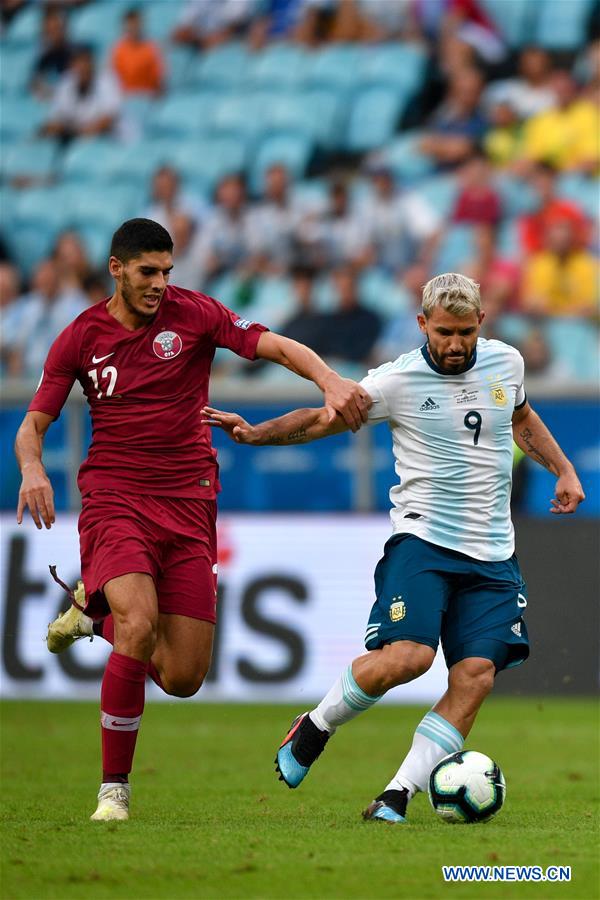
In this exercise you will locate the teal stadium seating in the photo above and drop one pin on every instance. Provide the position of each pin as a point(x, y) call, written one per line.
point(373, 117)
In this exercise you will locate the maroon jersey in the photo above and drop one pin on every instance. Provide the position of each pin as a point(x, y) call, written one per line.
point(146, 390)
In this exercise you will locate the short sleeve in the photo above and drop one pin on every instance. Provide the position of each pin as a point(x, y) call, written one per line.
point(373, 384)
point(233, 332)
point(58, 376)
point(520, 396)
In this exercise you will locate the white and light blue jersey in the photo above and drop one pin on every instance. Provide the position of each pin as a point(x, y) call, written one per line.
point(453, 446)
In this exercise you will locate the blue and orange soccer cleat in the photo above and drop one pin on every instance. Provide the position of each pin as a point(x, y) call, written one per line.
point(301, 746)
point(389, 807)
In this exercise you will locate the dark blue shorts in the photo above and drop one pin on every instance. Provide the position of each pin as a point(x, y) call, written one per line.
point(426, 594)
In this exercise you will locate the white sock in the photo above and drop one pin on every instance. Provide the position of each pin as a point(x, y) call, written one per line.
point(344, 701)
point(433, 739)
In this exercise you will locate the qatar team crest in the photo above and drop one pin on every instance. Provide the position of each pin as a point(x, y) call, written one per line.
point(167, 345)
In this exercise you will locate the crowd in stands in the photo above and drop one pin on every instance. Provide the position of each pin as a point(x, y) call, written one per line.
point(315, 161)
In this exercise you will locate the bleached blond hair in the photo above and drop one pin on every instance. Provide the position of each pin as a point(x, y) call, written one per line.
point(453, 292)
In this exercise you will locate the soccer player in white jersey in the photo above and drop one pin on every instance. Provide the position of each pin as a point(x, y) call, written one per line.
point(449, 571)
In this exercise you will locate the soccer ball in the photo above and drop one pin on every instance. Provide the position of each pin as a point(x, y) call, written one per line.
point(467, 787)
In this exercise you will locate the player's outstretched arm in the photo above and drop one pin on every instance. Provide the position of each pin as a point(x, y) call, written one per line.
point(342, 395)
point(36, 492)
point(297, 427)
point(535, 439)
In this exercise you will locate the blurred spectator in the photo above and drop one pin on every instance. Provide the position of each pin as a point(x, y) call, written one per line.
point(467, 20)
point(502, 143)
point(137, 61)
point(205, 25)
point(531, 91)
point(306, 324)
point(224, 243)
point(565, 136)
point(372, 20)
point(498, 277)
point(562, 279)
point(350, 332)
point(535, 351)
point(399, 226)
point(273, 223)
point(335, 235)
point(86, 103)
point(55, 54)
point(9, 9)
point(95, 288)
point(458, 125)
point(9, 291)
point(168, 199)
point(402, 333)
point(71, 260)
point(187, 257)
point(478, 202)
point(43, 314)
point(550, 209)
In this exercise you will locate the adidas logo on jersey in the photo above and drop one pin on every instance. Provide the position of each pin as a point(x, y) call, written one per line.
point(428, 405)
point(516, 629)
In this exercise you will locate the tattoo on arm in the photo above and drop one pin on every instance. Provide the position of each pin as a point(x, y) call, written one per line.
point(526, 436)
point(298, 436)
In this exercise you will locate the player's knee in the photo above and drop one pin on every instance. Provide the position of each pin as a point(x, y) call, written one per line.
point(407, 661)
point(182, 685)
point(135, 634)
point(474, 676)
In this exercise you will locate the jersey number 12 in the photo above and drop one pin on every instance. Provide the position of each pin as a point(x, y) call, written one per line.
point(109, 372)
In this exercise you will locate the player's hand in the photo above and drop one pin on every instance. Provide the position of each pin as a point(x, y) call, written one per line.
point(36, 494)
point(237, 428)
point(349, 399)
point(569, 494)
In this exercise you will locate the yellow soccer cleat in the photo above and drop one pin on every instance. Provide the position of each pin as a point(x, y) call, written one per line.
point(113, 803)
point(71, 625)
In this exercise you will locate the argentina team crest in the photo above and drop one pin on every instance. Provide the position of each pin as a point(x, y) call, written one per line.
point(397, 609)
point(167, 345)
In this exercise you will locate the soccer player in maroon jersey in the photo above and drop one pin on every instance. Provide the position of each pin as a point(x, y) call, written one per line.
point(150, 481)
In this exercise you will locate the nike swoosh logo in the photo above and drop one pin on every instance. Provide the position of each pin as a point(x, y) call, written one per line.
point(123, 724)
point(100, 359)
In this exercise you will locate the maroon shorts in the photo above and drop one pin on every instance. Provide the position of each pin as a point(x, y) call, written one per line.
point(172, 539)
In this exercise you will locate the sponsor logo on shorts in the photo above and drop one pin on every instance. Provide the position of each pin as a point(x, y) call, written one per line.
point(167, 345)
point(397, 609)
point(244, 324)
point(516, 629)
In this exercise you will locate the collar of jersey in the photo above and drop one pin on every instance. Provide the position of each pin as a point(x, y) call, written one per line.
point(437, 369)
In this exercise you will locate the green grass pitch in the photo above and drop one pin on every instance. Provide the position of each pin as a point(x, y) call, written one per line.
point(210, 819)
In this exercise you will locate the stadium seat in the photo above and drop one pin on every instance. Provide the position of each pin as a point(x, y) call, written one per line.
point(278, 66)
point(516, 26)
point(183, 114)
point(583, 191)
point(404, 158)
point(43, 207)
point(440, 191)
point(517, 196)
point(160, 17)
point(326, 111)
point(397, 65)
point(373, 118)
point(103, 206)
point(508, 241)
point(97, 24)
point(574, 343)
point(273, 302)
point(291, 149)
point(96, 238)
point(30, 159)
point(179, 64)
point(513, 328)
point(382, 294)
point(336, 66)
point(222, 67)
point(561, 24)
point(28, 245)
point(24, 29)
point(17, 68)
point(456, 248)
point(20, 117)
point(203, 162)
point(236, 114)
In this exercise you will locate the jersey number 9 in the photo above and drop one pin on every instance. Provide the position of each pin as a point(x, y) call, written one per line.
point(473, 423)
